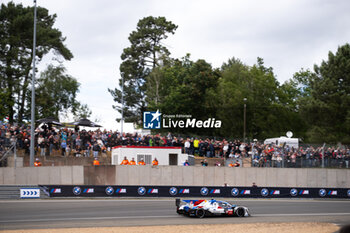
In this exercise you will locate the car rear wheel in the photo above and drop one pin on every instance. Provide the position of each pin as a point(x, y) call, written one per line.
point(200, 213)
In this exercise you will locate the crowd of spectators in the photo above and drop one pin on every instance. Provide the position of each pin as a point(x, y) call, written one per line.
point(65, 141)
point(304, 156)
point(270, 155)
point(74, 142)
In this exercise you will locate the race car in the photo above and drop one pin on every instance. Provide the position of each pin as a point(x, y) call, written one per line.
point(202, 208)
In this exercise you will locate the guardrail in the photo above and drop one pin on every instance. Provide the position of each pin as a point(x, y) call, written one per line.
point(192, 191)
point(21, 191)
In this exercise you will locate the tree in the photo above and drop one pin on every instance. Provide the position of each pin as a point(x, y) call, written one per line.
point(289, 95)
point(184, 87)
point(269, 106)
point(192, 96)
point(325, 100)
point(138, 60)
point(16, 53)
point(164, 85)
point(56, 93)
point(232, 89)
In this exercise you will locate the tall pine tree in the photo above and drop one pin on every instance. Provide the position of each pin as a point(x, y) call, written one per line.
point(16, 53)
point(139, 59)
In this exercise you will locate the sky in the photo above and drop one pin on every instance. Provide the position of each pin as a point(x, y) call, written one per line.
point(287, 34)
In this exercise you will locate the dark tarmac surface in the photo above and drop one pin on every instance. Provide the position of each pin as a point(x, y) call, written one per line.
point(63, 213)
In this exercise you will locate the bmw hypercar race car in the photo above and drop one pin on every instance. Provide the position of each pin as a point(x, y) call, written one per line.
point(202, 208)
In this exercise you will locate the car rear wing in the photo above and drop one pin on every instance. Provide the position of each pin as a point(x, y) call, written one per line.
point(193, 202)
point(177, 202)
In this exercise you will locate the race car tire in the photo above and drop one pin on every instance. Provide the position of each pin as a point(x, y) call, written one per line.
point(200, 213)
point(239, 212)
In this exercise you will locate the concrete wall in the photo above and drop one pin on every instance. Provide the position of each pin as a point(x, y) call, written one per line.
point(68, 161)
point(11, 162)
point(99, 175)
point(178, 175)
point(219, 176)
point(42, 175)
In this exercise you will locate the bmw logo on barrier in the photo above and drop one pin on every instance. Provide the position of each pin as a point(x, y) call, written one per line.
point(264, 192)
point(141, 191)
point(322, 192)
point(173, 191)
point(348, 192)
point(109, 190)
point(76, 190)
point(293, 192)
point(204, 191)
point(234, 192)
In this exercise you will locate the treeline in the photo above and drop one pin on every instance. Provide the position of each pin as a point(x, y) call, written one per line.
point(314, 105)
point(55, 89)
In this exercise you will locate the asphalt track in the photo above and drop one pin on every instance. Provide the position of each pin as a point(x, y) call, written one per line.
point(63, 213)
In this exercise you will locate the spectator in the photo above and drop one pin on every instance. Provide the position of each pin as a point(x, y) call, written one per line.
point(196, 146)
point(155, 162)
point(237, 164)
point(41, 143)
point(132, 162)
point(26, 146)
point(191, 147)
point(96, 149)
point(141, 162)
point(125, 161)
point(63, 147)
point(68, 150)
point(274, 160)
point(51, 143)
point(279, 160)
point(96, 162)
point(204, 163)
point(211, 149)
point(187, 146)
point(347, 159)
point(87, 148)
point(256, 159)
point(77, 151)
point(37, 163)
point(150, 141)
point(231, 155)
point(186, 163)
point(225, 148)
point(237, 155)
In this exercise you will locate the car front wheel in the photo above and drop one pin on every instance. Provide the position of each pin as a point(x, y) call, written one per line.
point(240, 212)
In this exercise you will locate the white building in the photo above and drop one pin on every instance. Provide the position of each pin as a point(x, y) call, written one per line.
point(164, 155)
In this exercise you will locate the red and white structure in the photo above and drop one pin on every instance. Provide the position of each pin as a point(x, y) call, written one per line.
point(164, 155)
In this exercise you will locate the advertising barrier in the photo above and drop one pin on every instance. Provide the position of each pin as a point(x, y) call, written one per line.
point(191, 191)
